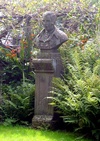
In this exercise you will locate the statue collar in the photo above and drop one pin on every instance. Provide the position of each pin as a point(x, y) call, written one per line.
point(55, 33)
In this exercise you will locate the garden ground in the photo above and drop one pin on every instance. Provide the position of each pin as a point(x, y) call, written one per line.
point(21, 133)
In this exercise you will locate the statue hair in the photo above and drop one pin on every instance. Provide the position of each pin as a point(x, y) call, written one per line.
point(52, 16)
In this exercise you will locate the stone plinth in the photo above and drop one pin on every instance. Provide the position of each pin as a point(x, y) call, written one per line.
point(56, 60)
point(44, 71)
point(43, 121)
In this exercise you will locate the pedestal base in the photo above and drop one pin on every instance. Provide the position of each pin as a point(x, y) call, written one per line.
point(41, 121)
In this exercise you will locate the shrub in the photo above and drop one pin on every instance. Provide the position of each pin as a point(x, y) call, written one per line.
point(77, 95)
point(18, 103)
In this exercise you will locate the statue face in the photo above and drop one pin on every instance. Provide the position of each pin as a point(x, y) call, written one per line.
point(48, 23)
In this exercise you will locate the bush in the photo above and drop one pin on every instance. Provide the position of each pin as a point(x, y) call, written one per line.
point(77, 95)
point(18, 103)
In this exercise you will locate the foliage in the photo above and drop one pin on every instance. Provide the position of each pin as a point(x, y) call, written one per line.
point(24, 17)
point(75, 18)
point(16, 61)
point(77, 95)
point(17, 103)
point(20, 22)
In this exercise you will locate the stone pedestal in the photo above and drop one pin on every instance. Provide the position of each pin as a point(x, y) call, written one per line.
point(44, 71)
point(47, 65)
point(56, 60)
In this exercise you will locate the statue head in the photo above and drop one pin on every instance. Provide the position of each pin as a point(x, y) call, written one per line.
point(49, 20)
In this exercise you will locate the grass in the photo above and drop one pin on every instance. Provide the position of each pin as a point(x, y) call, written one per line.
point(20, 133)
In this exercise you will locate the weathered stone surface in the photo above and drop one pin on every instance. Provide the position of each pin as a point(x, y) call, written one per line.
point(50, 38)
point(43, 121)
point(47, 65)
point(44, 73)
point(56, 61)
point(42, 65)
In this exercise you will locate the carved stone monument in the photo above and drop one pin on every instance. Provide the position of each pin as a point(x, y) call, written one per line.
point(47, 65)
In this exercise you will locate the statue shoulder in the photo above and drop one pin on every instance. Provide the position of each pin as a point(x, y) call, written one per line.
point(60, 34)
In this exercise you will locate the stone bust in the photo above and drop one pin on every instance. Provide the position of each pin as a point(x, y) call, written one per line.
point(50, 38)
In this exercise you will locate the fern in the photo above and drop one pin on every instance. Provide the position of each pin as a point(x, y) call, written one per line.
point(77, 95)
point(18, 102)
